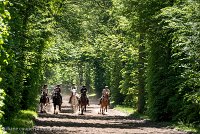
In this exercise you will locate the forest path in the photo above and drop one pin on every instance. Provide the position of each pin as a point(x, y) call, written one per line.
point(92, 122)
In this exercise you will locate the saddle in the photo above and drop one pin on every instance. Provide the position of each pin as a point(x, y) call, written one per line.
point(56, 95)
point(43, 98)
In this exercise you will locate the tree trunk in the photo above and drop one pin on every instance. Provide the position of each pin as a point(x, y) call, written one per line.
point(141, 77)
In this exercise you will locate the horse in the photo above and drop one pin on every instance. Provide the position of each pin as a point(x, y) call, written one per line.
point(43, 102)
point(83, 102)
point(56, 101)
point(74, 101)
point(104, 103)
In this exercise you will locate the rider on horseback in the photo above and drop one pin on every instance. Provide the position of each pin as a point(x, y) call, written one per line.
point(105, 90)
point(58, 90)
point(84, 90)
point(44, 92)
point(73, 89)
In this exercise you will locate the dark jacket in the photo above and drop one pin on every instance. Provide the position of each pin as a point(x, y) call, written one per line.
point(83, 89)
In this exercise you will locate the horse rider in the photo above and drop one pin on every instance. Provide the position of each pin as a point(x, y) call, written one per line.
point(73, 89)
point(58, 90)
point(104, 91)
point(45, 91)
point(84, 89)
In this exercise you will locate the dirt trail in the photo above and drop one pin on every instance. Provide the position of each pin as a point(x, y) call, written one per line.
point(91, 122)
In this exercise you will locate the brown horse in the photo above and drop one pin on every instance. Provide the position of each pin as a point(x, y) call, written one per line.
point(104, 103)
point(83, 102)
point(44, 100)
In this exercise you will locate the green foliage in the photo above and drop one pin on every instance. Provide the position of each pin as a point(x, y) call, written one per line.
point(174, 62)
point(4, 18)
point(23, 119)
point(23, 74)
point(191, 128)
point(2, 97)
point(134, 47)
point(127, 110)
point(130, 82)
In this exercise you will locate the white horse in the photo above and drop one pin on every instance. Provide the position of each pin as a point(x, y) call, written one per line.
point(74, 100)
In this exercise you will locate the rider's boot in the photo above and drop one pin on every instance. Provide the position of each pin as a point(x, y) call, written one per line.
point(100, 101)
point(48, 102)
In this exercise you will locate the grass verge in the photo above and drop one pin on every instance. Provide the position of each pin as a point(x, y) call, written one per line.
point(190, 128)
point(124, 109)
point(92, 95)
point(24, 119)
point(131, 112)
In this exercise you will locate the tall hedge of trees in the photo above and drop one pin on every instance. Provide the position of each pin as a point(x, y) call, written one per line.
point(172, 60)
point(177, 66)
point(22, 76)
point(146, 51)
point(4, 18)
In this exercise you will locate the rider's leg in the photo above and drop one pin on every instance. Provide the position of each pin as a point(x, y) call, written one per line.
point(61, 98)
point(48, 99)
point(79, 101)
point(100, 101)
point(70, 99)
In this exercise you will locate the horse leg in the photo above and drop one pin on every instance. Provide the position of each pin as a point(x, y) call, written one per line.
point(77, 106)
point(45, 105)
point(82, 109)
point(54, 105)
point(41, 108)
point(85, 108)
point(73, 104)
point(100, 110)
point(60, 108)
point(104, 109)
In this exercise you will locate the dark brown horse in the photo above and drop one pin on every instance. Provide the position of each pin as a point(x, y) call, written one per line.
point(57, 101)
point(104, 103)
point(44, 101)
point(83, 102)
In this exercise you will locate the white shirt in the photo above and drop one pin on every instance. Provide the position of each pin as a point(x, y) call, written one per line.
point(105, 90)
